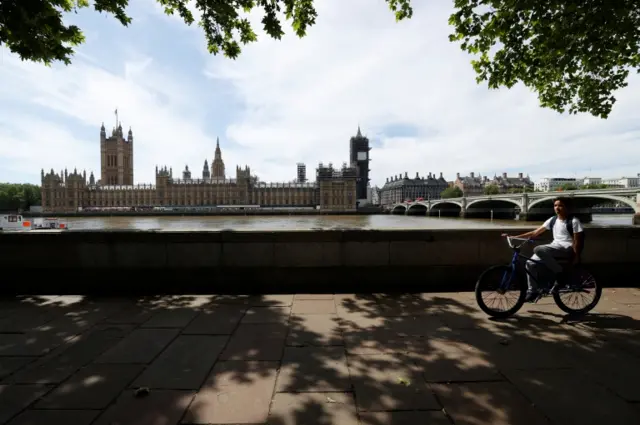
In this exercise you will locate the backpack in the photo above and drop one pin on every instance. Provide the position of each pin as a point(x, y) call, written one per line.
point(569, 225)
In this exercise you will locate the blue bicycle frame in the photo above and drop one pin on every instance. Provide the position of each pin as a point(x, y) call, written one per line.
point(506, 281)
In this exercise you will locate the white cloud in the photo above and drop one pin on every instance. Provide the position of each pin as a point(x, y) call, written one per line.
point(298, 100)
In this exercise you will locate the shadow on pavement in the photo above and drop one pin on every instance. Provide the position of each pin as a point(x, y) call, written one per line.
point(375, 359)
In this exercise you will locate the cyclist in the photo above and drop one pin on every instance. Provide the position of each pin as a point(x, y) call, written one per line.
point(567, 242)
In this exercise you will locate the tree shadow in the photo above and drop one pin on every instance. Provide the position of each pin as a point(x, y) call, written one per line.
point(373, 359)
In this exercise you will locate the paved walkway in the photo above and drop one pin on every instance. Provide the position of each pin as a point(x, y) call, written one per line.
point(316, 359)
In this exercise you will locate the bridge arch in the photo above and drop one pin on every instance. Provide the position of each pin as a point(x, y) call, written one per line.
point(587, 200)
point(398, 209)
point(542, 208)
point(499, 208)
point(418, 208)
point(446, 207)
point(505, 200)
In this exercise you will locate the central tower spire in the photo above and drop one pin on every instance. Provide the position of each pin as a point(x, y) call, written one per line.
point(217, 166)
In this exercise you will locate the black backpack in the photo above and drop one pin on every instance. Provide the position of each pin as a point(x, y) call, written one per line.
point(569, 224)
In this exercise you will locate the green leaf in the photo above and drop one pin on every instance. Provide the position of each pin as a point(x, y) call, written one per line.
point(575, 55)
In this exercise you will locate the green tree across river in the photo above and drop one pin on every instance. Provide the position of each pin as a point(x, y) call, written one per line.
point(15, 196)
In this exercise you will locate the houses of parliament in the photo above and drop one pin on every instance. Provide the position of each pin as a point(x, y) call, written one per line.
point(334, 189)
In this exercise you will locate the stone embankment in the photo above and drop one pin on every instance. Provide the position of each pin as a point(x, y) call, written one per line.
point(311, 261)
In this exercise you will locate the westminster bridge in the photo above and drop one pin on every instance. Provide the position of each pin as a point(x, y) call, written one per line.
point(533, 206)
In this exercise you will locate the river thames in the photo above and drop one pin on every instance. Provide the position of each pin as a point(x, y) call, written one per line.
point(302, 222)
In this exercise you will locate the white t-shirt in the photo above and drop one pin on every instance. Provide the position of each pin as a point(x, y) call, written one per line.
point(561, 236)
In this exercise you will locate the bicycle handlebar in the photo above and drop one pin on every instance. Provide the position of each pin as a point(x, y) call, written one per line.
point(511, 245)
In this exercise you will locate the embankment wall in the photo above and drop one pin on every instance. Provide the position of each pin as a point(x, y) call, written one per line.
point(302, 261)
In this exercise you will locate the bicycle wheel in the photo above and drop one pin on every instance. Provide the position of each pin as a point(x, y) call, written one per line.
point(580, 294)
point(502, 281)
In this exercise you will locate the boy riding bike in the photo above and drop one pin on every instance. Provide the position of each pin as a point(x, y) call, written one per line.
point(568, 238)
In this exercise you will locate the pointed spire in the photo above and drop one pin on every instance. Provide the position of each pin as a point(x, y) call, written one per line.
point(359, 132)
point(217, 143)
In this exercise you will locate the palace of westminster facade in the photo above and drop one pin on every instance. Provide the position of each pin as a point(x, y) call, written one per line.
point(335, 189)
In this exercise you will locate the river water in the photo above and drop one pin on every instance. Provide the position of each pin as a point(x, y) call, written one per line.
point(301, 222)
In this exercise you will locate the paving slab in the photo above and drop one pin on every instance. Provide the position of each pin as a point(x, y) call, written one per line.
point(262, 330)
point(93, 387)
point(260, 349)
point(404, 418)
point(234, 393)
point(273, 300)
point(314, 307)
point(27, 319)
point(131, 314)
point(313, 409)
point(61, 364)
point(389, 382)
point(276, 314)
point(8, 365)
point(55, 417)
point(614, 368)
point(314, 329)
point(569, 397)
point(490, 403)
point(140, 346)
point(15, 398)
point(443, 359)
point(159, 407)
point(184, 364)
point(312, 369)
point(314, 297)
point(170, 318)
point(220, 320)
point(30, 344)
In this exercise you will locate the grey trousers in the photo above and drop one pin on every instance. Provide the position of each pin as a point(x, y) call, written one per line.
point(548, 255)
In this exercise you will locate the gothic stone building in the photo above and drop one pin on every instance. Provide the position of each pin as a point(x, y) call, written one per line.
point(506, 184)
point(398, 189)
point(333, 190)
point(473, 185)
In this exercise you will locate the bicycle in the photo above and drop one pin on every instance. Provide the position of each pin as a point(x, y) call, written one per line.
point(572, 280)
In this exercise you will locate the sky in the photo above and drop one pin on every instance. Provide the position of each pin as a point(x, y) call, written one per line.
point(412, 92)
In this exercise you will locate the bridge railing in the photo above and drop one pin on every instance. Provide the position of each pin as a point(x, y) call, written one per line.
point(530, 195)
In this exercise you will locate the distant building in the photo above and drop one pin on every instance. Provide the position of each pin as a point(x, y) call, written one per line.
point(359, 158)
point(301, 173)
point(592, 180)
point(337, 188)
point(70, 192)
point(206, 174)
point(217, 166)
point(399, 189)
point(550, 184)
point(375, 195)
point(116, 156)
point(507, 184)
point(623, 182)
point(186, 174)
point(471, 185)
